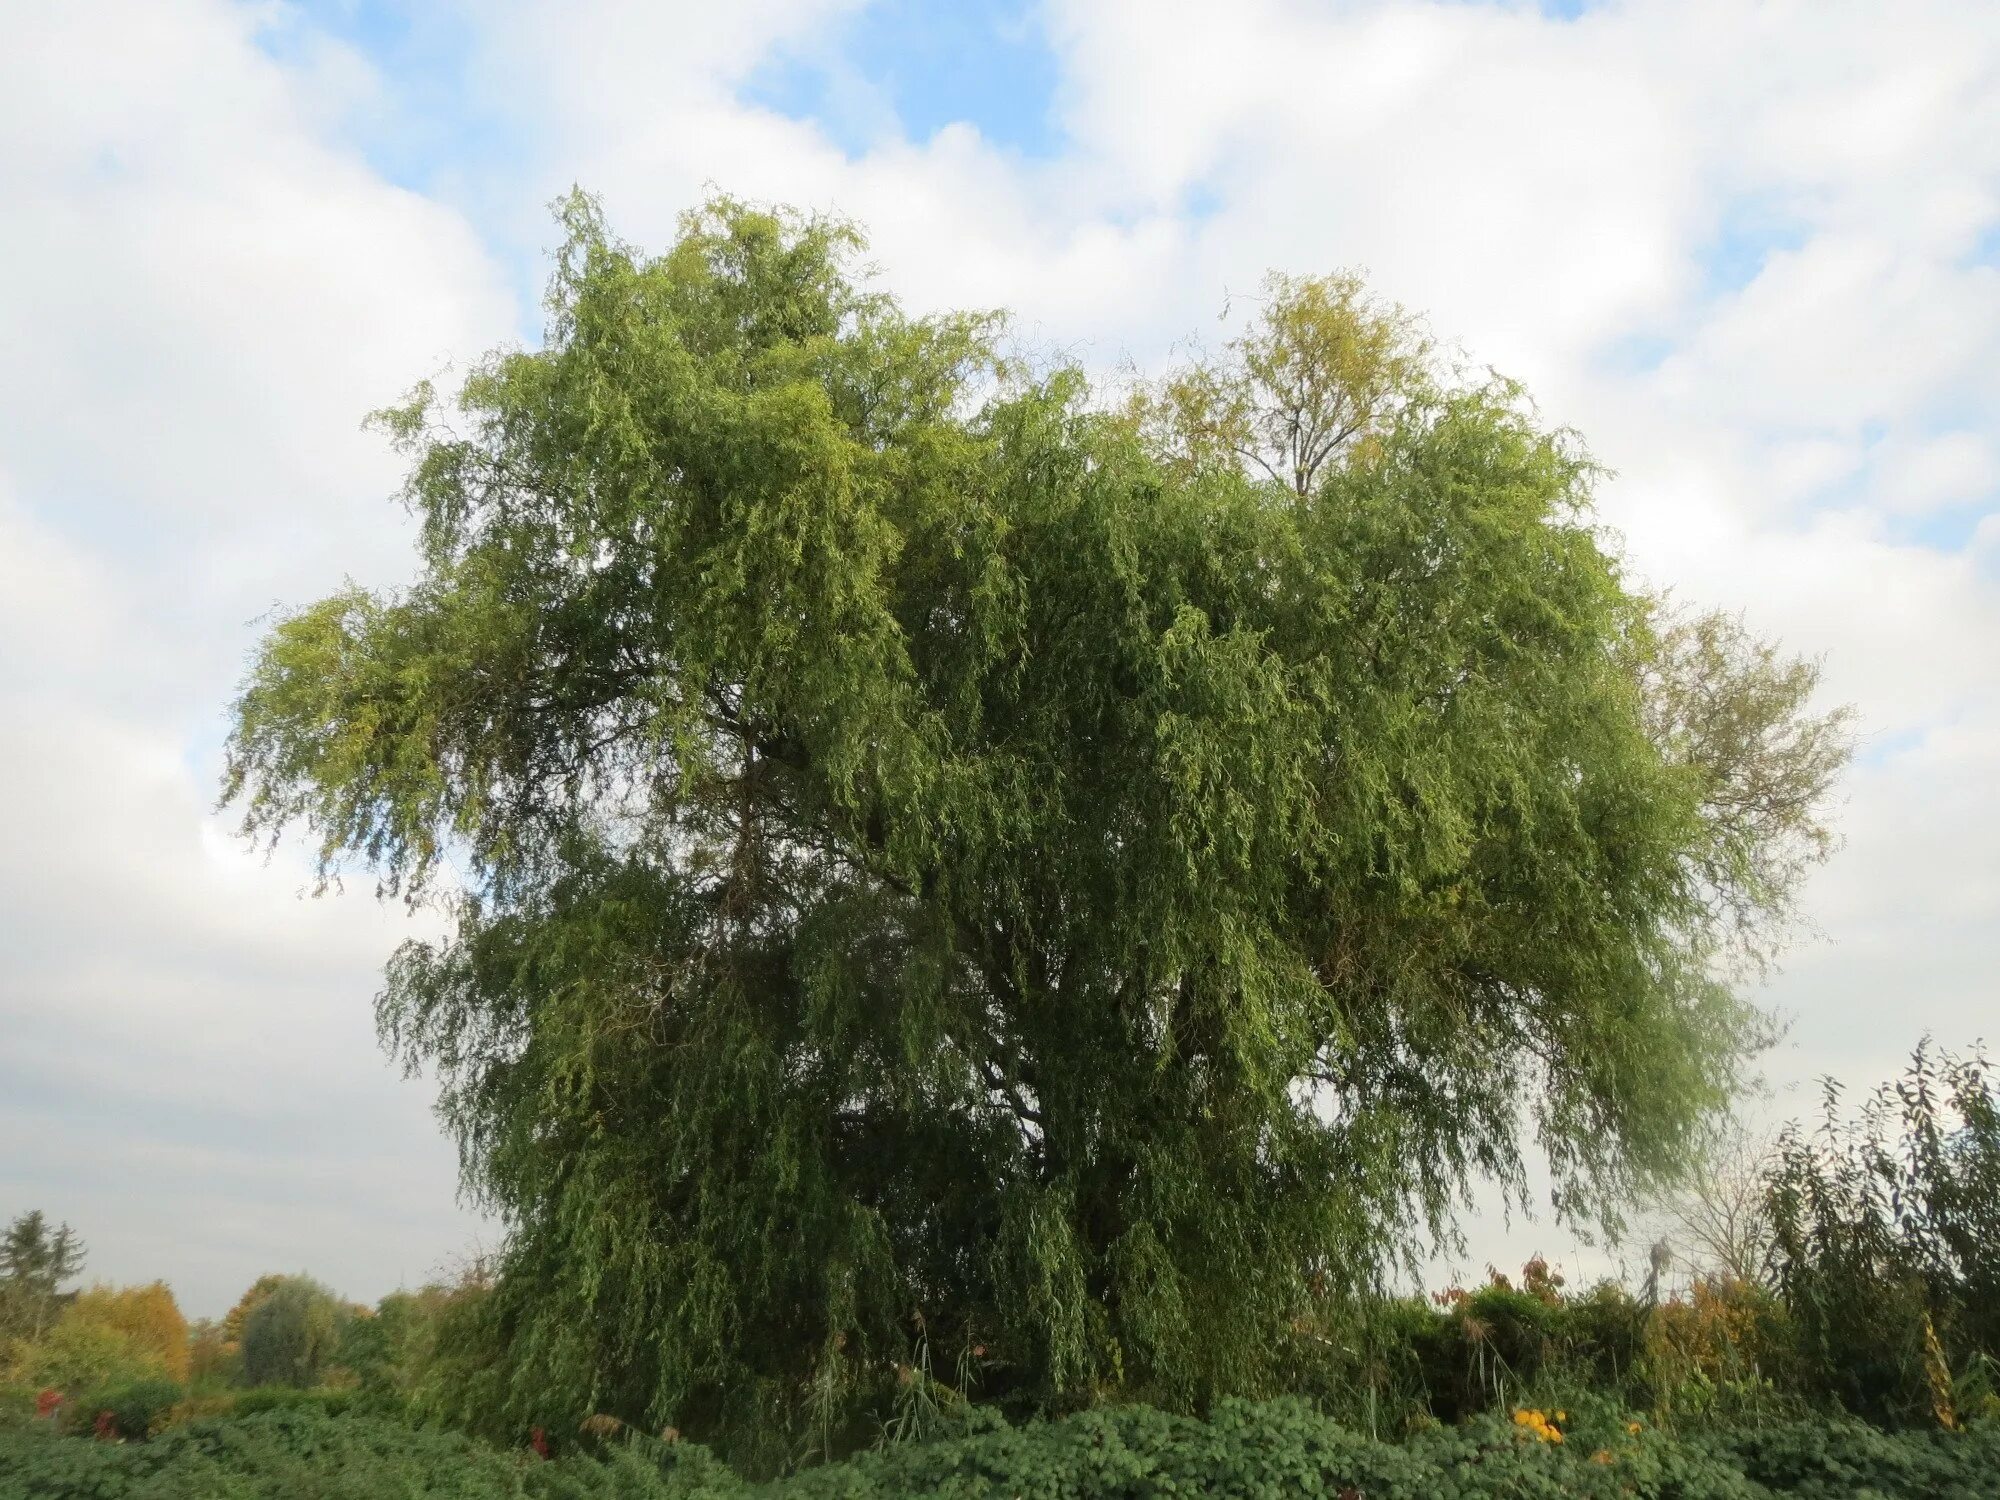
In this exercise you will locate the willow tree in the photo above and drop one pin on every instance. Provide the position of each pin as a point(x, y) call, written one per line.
point(948, 865)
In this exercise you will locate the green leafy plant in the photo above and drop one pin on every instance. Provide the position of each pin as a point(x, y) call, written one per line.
point(1887, 1240)
point(135, 1408)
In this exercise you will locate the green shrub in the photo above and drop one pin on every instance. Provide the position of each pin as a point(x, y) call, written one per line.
point(287, 1454)
point(1409, 1361)
point(17, 1407)
point(130, 1409)
point(1837, 1459)
point(264, 1398)
point(1243, 1450)
point(1886, 1242)
point(79, 1354)
point(1284, 1448)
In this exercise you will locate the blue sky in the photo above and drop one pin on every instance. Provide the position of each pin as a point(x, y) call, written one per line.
point(915, 68)
point(1769, 297)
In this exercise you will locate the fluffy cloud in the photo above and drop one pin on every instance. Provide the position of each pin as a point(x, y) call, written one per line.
point(1749, 251)
point(203, 297)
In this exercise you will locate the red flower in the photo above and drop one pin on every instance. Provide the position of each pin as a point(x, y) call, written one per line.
point(539, 1441)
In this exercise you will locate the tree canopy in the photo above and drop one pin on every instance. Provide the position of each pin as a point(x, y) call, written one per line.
point(950, 864)
point(35, 1261)
point(146, 1317)
point(292, 1332)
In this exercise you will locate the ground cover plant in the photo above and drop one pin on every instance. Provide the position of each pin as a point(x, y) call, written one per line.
point(1244, 1449)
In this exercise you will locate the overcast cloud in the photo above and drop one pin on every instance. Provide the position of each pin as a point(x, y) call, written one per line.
point(1752, 251)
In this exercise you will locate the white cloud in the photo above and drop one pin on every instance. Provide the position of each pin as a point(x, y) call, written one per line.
point(203, 298)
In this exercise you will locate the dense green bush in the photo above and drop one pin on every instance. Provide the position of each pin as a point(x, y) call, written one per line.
point(17, 1406)
point(1244, 1450)
point(263, 1398)
point(1721, 1352)
point(128, 1409)
point(1843, 1459)
point(1283, 1448)
point(1886, 1230)
point(295, 1453)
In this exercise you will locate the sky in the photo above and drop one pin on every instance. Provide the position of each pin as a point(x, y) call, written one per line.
point(1750, 250)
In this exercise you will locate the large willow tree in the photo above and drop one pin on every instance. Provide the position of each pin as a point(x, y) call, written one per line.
point(943, 860)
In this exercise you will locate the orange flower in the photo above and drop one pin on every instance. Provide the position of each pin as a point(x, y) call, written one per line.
point(1538, 1423)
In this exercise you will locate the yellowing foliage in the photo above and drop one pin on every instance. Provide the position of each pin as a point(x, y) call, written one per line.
point(209, 1355)
point(147, 1316)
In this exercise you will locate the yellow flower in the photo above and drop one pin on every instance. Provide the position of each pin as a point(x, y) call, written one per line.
point(1631, 1426)
point(1538, 1423)
point(1601, 1456)
point(1562, 1416)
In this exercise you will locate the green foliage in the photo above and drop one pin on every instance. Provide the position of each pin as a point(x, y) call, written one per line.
point(80, 1353)
point(1887, 1241)
point(132, 1409)
point(291, 1336)
point(400, 1352)
point(265, 1398)
point(1724, 1351)
point(214, 1360)
point(1481, 1350)
point(17, 1407)
point(1245, 1450)
point(1838, 1459)
point(1283, 1449)
point(370, 1350)
point(272, 1456)
point(948, 867)
point(234, 1319)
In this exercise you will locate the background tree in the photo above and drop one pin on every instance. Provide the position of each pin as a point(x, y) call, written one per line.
point(80, 1354)
point(1716, 1218)
point(147, 1317)
point(239, 1314)
point(953, 878)
point(1735, 713)
point(35, 1262)
point(392, 1351)
point(212, 1358)
point(292, 1334)
point(107, 1334)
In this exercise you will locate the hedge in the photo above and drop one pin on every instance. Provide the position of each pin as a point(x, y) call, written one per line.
point(1244, 1451)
